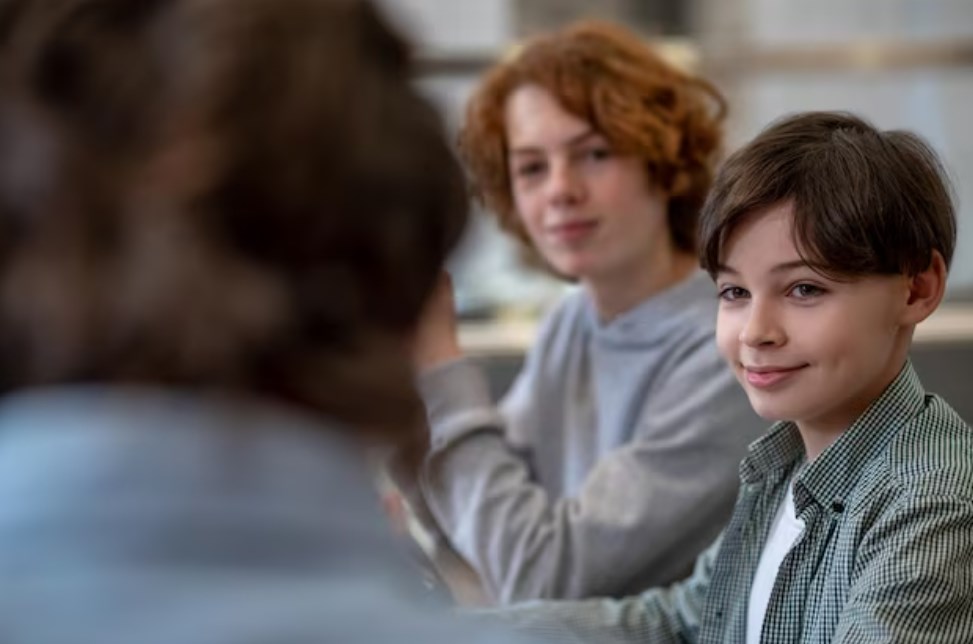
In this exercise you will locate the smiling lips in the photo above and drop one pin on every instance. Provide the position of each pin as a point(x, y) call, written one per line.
point(572, 231)
point(766, 377)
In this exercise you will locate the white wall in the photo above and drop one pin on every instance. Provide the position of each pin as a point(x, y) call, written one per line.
point(934, 102)
point(828, 21)
point(454, 24)
point(486, 268)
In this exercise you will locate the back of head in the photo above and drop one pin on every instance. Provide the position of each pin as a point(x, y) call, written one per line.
point(241, 195)
point(864, 201)
point(610, 78)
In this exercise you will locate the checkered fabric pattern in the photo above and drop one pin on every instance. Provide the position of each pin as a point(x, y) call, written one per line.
point(886, 554)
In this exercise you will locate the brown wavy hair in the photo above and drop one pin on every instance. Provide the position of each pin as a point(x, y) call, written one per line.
point(244, 196)
point(608, 76)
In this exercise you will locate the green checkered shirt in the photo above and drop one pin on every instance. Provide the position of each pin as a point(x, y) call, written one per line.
point(886, 554)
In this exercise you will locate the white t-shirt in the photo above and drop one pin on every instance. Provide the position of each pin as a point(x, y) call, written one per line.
point(783, 534)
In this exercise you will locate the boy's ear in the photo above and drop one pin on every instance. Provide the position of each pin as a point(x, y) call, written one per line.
point(925, 291)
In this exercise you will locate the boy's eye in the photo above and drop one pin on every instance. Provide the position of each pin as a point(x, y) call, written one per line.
point(806, 291)
point(733, 293)
point(529, 169)
point(597, 153)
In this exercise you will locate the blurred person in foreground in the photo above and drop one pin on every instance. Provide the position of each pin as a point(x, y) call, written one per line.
point(219, 222)
point(612, 461)
point(829, 241)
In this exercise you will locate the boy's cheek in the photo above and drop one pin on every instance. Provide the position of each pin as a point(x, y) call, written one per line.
point(726, 342)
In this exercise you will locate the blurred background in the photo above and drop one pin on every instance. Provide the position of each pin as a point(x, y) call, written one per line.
point(901, 63)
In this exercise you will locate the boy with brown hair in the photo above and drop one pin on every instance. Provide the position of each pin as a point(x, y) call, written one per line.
point(829, 241)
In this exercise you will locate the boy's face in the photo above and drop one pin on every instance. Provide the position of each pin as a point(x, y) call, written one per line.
point(805, 348)
point(588, 210)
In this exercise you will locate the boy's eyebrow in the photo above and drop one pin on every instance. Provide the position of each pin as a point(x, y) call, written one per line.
point(789, 266)
point(779, 268)
point(571, 142)
point(723, 268)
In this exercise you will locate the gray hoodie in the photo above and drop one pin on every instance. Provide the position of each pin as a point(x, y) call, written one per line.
point(610, 464)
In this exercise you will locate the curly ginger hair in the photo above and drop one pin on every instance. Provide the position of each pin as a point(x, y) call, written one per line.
point(609, 77)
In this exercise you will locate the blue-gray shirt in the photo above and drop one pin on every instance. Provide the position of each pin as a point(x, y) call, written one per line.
point(138, 516)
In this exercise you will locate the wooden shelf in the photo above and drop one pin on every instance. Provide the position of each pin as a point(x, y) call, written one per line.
point(748, 59)
point(952, 323)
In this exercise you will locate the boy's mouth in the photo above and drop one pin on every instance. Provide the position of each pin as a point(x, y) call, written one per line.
point(767, 376)
point(572, 231)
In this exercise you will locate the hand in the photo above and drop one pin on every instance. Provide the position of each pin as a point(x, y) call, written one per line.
point(436, 340)
point(396, 511)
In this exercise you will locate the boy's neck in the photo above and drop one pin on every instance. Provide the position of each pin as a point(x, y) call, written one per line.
point(819, 433)
point(619, 294)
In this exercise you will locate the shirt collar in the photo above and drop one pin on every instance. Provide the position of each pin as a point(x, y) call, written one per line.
point(773, 454)
point(830, 478)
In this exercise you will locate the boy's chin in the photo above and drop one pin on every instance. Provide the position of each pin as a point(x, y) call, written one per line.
point(770, 413)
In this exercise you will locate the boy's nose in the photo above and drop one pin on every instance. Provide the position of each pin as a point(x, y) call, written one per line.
point(762, 327)
point(565, 187)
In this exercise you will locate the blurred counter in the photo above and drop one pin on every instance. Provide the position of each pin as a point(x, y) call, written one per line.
point(952, 323)
point(942, 352)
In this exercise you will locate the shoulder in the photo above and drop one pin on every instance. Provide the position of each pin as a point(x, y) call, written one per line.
point(692, 304)
point(564, 325)
point(676, 332)
point(685, 345)
point(915, 507)
point(681, 322)
point(700, 301)
point(573, 309)
point(929, 458)
point(932, 454)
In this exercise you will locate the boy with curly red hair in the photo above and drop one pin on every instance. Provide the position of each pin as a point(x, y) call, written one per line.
point(612, 461)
